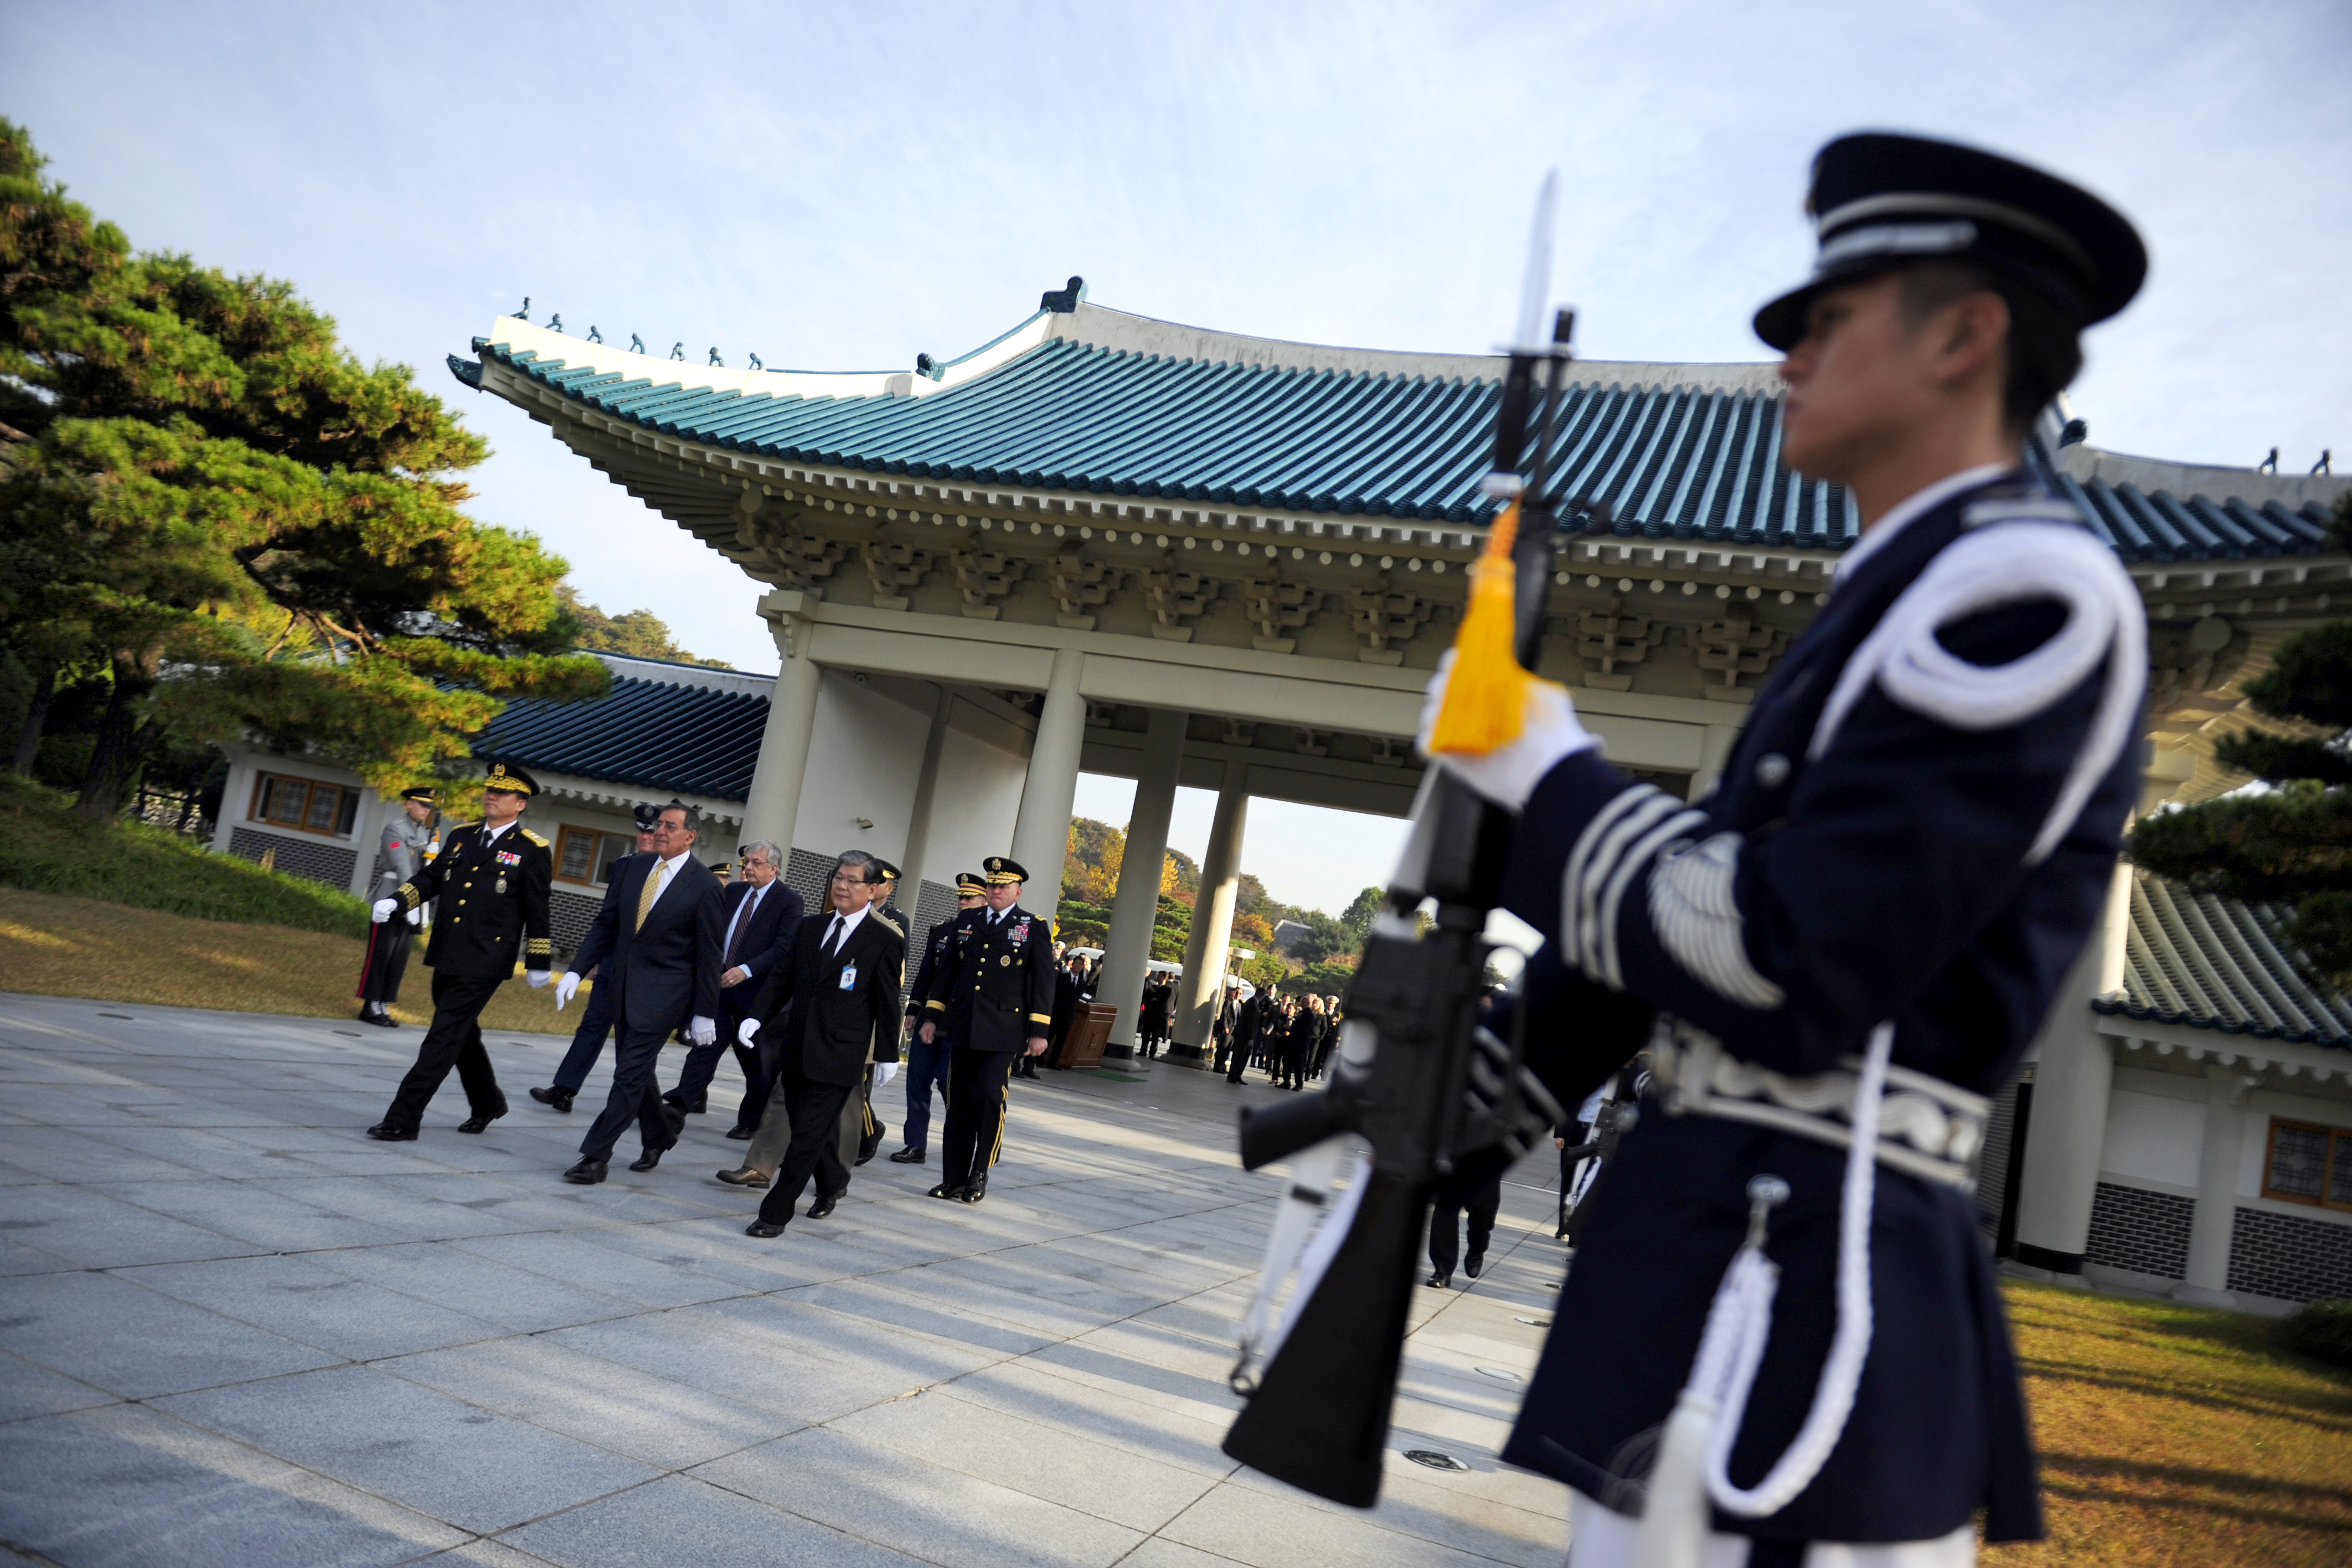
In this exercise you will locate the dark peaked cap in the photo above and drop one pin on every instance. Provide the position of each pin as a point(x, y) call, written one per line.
point(1880, 200)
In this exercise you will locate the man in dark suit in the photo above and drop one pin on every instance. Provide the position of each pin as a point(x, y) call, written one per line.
point(492, 879)
point(763, 914)
point(655, 937)
point(927, 1059)
point(1246, 1019)
point(994, 997)
point(819, 1022)
point(596, 1017)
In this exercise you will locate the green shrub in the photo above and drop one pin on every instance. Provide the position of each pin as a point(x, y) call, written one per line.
point(46, 846)
point(2322, 1330)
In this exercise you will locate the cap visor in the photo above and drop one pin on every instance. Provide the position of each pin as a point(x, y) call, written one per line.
point(1782, 322)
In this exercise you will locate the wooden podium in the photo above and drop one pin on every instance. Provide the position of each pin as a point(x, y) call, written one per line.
point(1089, 1032)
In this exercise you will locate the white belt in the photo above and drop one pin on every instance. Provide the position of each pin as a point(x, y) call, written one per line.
point(1927, 1128)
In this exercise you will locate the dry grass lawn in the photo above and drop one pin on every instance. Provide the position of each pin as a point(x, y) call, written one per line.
point(79, 947)
point(2172, 1436)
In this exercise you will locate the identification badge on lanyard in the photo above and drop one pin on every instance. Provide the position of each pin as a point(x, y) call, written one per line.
point(849, 977)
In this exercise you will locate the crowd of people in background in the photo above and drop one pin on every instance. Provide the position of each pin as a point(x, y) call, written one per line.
point(1288, 1037)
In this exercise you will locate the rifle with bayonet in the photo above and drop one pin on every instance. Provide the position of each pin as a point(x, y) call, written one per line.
point(1417, 1077)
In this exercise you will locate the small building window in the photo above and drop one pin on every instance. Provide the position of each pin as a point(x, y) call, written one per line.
point(2307, 1163)
point(585, 857)
point(305, 805)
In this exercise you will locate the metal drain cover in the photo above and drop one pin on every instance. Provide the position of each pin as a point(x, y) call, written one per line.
point(1501, 1374)
point(1435, 1460)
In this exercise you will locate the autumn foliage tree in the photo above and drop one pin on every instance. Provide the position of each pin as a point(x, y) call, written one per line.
point(246, 531)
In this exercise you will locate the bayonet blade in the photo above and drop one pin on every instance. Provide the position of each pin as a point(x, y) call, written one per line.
point(1534, 293)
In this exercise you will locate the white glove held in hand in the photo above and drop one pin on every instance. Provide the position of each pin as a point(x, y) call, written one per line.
point(748, 1031)
point(538, 978)
point(1509, 775)
point(565, 989)
point(883, 1072)
point(384, 910)
point(703, 1031)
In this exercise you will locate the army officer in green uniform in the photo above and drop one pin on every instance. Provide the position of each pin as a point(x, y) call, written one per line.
point(491, 878)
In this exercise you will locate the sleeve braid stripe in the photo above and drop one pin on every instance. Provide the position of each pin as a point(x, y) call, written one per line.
point(1629, 867)
point(1697, 919)
point(1633, 813)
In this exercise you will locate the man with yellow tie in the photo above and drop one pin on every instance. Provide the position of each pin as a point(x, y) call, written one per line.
point(657, 938)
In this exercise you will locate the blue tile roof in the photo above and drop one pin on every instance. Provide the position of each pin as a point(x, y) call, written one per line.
point(687, 739)
point(1674, 462)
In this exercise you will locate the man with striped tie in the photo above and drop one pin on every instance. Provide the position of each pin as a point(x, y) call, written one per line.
point(657, 938)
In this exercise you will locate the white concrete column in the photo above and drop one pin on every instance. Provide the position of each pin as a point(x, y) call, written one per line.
point(1040, 834)
point(775, 803)
point(919, 820)
point(1714, 751)
point(2067, 1132)
point(1128, 950)
point(1212, 914)
point(367, 832)
point(2209, 1231)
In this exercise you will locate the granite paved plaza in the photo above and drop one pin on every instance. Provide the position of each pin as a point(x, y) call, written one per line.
point(236, 1332)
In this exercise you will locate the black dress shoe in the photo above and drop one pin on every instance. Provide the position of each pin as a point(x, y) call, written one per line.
point(744, 1176)
point(974, 1190)
point(675, 1119)
point(1439, 1281)
point(378, 1017)
point(1474, 1264)
point(907, 1157)
point(588, 1173)
point(944, 1191)
point(741, 1134)
point(763, 1230)
point(480, 1123)
point(822, 1206)
point(648, 1160)
point(392, 1135)
point(555, 1095)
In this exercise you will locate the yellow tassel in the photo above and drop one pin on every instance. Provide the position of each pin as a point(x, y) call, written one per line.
point(1487, 695)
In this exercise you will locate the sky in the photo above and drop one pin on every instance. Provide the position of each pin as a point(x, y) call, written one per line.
point(841, 187)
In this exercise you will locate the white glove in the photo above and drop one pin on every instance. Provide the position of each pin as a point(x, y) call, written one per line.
point(883, 1072)
point(1509, 774)
point(565, 989)
point(384, 910)
point(748, 1031)
point(416, 917)
point(538, 978)
point(703, 1031)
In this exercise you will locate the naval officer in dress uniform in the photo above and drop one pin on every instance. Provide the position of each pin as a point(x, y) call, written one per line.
point(1864, 923)
point(398, 857)
point(992, 998)
point(491, 878)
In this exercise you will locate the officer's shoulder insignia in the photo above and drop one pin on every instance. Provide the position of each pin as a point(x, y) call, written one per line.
point(535, 837)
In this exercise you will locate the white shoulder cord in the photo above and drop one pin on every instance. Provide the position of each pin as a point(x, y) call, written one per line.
point(1695, 1454)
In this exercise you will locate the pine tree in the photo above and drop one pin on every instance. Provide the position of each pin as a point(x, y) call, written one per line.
point(253, 534)
point(2292, 842)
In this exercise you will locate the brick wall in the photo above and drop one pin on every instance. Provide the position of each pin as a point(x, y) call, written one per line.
point(569, 915)
point(2289, 1258)
point(318, 859)
point(2134, 1228)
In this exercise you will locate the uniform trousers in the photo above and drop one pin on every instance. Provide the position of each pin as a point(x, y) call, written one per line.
point(927, 1066)
point(454, 1039)
point(975, 1130)
point(633, 1095)
point(808, 1116)
point(1451, 1203)
point(588, 1039)
point(387, 960)
point(1236, 1058)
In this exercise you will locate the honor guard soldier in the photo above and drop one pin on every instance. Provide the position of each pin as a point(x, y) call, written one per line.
point(399, 857)
point(1850, 945)
point(927, 1057)
point(991, 999)
point(491, 878)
